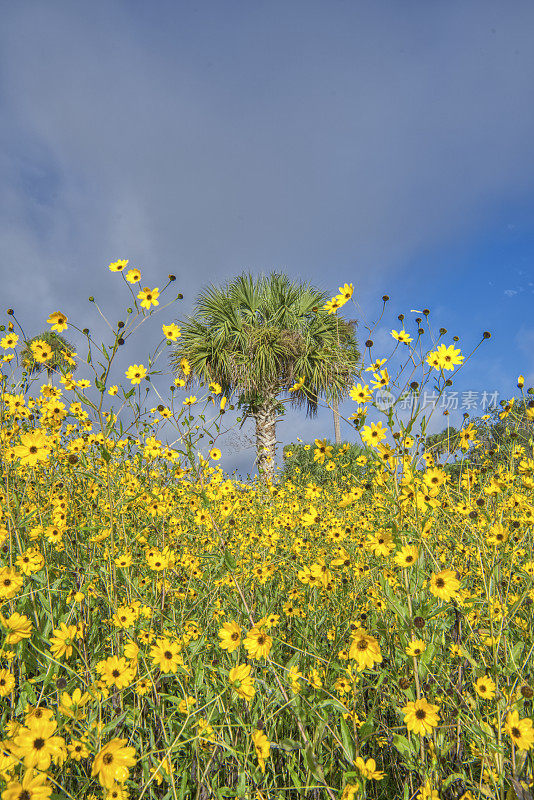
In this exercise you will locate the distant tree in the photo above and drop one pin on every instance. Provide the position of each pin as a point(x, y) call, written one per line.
point(504, 428)
point(58, 362)
point(498, 433)
point(446, 442)
point(301, 466)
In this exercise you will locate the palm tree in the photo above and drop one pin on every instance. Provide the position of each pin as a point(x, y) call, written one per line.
point(258, 337)
point(57, 363)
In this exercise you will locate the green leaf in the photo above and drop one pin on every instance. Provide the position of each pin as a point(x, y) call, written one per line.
point(318, 732)
point(516, 651)
point(367, 729)
point(402, 744)
point(30, 692)
point(229, 561)
point(289, 744)
point(313, 765)
point(171, 697)
point(183, 786)
point(428, 654)
point(241, 788)
point(348, 739)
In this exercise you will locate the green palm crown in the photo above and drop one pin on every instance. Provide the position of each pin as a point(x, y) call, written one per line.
point(257, 337)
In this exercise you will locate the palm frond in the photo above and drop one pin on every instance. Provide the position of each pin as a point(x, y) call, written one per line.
point(263, 331)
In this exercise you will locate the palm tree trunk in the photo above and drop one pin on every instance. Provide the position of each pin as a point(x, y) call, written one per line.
point(337, 426)
point(265, 418)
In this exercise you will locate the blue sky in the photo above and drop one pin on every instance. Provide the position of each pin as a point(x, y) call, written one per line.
point(385, 144)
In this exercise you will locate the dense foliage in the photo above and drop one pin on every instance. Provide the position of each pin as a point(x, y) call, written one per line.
point(316, 461)
point(169, 633)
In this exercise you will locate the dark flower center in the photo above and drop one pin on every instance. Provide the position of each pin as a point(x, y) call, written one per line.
point(38, 743)
point(168, 655)
point(440, 583)
point(420, 713)
point(362, 645)
point(108, 758)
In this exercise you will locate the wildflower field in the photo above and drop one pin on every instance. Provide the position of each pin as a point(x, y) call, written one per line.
point(167, 632)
